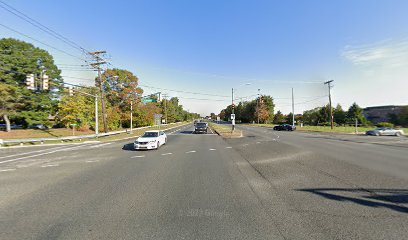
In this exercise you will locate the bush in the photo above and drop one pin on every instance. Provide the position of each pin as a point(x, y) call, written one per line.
point(385, 124)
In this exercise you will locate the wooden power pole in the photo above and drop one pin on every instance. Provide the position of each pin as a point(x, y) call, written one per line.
point(98, 61)
point(330, 102)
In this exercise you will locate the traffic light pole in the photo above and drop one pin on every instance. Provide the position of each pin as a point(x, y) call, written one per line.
point(233, 120)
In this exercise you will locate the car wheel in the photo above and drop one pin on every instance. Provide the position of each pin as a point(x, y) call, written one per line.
point(397, 134)
point(157, 145)
point(377, 134)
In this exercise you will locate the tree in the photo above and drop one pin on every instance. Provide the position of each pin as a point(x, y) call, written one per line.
point(121, 87)
point(18, 59)
point(278, 118)
point(339, 115)
point(213, 116)
point(289, 118)
point(9, 102)
point(356, 112)
point(403, 116)
point(78, 109)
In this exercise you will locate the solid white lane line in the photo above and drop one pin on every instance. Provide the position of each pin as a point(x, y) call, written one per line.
point(7, 170)
point(42, 150)
point(191, 151)
point(141, 156)
point(41, 154)
point(92, 161)
point(228, 147)
point(164, 154)
point(212, 149)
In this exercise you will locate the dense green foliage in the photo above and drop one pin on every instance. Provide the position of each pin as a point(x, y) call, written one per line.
point(17, 59)
point(250, 111)
point(20, 105)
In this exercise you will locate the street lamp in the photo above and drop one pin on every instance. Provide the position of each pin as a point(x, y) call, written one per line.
point(233, 106)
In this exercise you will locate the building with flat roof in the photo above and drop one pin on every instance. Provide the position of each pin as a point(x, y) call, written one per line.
point(381, 113)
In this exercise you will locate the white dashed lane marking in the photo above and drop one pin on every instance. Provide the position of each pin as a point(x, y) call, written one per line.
point(92, 161)
point(141, 156)
point(212, 149)
point(50, 165)
point(228, 147)
point(164, 154)
point(191, 151)
point(7, 170)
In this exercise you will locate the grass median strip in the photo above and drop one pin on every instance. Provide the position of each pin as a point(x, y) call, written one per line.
point(225, 130)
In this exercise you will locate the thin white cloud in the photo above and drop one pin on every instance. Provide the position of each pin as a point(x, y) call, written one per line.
point(387, 54)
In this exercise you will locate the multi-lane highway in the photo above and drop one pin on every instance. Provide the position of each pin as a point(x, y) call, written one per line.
point(266, 185)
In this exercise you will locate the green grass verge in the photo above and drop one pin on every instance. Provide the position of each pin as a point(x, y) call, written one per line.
point(136, 133)
point(346, 129)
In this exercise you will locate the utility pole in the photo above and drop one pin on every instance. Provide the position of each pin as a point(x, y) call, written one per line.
point(131, 116)
point(96, 116)
point(99, 61)
point(330, 102)
point(257, 104)
point(293, 109)
point(233, 120)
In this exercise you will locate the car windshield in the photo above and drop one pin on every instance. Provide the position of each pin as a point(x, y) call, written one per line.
point(201, 124)
point(150, 134)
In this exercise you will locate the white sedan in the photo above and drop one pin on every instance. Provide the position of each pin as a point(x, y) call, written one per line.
point(150, 140)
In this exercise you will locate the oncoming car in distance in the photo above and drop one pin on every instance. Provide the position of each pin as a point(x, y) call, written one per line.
point(284, 127)
point(150, 140)
point(201, 127)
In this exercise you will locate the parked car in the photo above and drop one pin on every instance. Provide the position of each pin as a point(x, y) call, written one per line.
point(284, 127)
point(150, 140)
point(38, 126)
point(201, 127)
point(384, 131)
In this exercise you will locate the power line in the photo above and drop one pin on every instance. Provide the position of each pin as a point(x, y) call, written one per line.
point(46, 44)
point(181, 91)
point(40, 26)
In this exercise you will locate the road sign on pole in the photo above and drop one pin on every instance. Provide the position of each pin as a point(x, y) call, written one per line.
point(146, 100)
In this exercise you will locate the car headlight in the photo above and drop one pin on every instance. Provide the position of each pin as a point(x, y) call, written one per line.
point(136, 142)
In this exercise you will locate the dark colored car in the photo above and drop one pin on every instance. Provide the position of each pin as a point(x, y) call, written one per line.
point(38, 126)
point(284, 127)
point(201, 127)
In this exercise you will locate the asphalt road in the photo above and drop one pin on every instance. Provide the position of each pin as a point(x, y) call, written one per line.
point(266, 185)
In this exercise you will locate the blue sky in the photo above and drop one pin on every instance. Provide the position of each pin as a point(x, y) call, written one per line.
point(210, 47)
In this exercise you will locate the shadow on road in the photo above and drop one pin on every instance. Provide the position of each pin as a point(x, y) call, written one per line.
point(385, 198)
point(186, 132)
point(128, 147)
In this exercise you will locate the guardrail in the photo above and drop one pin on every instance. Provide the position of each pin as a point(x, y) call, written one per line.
point(69, 138)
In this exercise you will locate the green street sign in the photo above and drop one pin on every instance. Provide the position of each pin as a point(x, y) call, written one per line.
point(146, 100)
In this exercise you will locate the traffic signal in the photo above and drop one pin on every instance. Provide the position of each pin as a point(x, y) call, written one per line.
point(45, 80)
point(30, 81)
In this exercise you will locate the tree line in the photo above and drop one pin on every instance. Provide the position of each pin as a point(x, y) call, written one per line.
point(55, 106)
point(247, 112)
